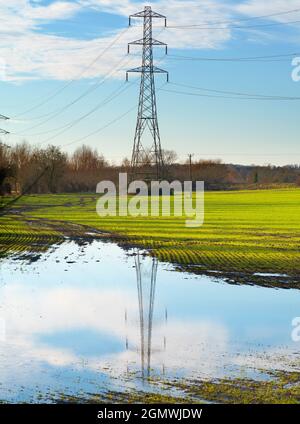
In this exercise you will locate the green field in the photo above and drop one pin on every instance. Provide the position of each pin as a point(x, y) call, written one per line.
point(244, 232)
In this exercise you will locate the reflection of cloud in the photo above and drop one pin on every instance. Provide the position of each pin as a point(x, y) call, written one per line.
point(42, 326)
point(197, 345)
point(283, 359)
point(190, 347)
point(62, 308)
point(52, 311)
point(36, 323)
point(42, 353)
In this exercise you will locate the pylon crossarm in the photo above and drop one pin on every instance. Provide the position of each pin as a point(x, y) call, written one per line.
point(150, 42)
point(139, 70)
point(159, 70)
point(4, 117)
point(147, 12)
point(148, 69)
point(3, 131)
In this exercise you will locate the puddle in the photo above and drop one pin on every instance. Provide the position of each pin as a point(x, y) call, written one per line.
point(95, 318)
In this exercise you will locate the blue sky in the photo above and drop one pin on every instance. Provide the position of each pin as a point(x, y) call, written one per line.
point(46, 47)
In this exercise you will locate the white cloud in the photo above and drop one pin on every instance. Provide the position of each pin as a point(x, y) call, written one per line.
point(274, 12)
point(29, 52)
point(18, 16)
point(52, 57)
point(56, 10)
point(262, 8)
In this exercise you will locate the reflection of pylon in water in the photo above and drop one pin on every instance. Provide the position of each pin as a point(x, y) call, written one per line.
point(165, 340)
point(126, 340)
point(146, 274)
point(146, 282)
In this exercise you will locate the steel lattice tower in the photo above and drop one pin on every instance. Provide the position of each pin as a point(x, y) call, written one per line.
point(147, 110)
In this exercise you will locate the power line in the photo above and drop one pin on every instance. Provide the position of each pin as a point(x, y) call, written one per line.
point(6, 208)
point(227, 97)
point(241, 19)
point(68, 83)
point(71, 124)
point(232, 21)
point(229, 94)
point(236, 26)
point(94, 86)
point(113, 95)
point(77, 99)
point(236, 93)
point(101, 128)
point(3, 118)
point(118, 118)
point(271, 58)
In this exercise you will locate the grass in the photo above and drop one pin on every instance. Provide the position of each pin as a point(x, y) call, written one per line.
point(280, 388)
point(244, 232)
point(17, 235)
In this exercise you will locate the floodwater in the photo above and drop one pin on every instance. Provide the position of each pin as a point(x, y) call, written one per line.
point(87, 319)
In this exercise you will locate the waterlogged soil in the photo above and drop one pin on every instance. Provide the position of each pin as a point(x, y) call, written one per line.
point(248, 238)
point(88, 321)
point(282, 281)
point(42, 233)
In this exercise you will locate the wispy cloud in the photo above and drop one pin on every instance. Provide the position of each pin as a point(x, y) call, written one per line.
point(18, 16)
point(276, 11)
point(262, 8)
point(30, 52)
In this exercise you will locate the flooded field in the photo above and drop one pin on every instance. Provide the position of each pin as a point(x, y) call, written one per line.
point(88, 319)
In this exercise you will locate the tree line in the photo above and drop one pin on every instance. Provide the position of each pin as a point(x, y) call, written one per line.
point(24, 167)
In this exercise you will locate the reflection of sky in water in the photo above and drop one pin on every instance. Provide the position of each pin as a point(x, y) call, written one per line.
point(83, 342)
point(66, 330)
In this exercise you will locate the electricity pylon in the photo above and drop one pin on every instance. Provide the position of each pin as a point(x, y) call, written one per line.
point(147, 162)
